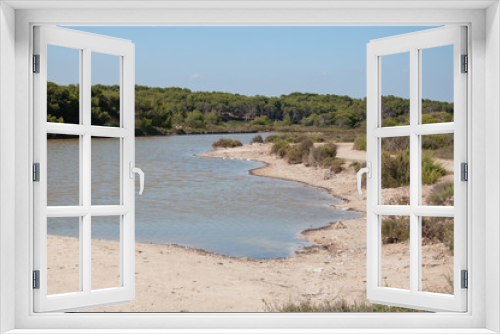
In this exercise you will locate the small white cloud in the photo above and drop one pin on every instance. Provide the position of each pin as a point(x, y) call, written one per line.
point(196, 76)
point(325, 73)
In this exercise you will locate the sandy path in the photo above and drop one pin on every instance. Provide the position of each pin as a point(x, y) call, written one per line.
point(171, 278)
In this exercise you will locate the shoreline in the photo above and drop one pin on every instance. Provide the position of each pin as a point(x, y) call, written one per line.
point(176, 278)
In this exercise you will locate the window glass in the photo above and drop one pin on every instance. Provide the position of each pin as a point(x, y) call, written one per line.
point(106, 252)
point(395, 90)
point(437, 84)
point(105, 90)
point(63, 85)
point(395, 252)
point(63, 255)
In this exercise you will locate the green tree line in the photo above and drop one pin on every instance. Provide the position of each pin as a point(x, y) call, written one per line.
point(160, 111)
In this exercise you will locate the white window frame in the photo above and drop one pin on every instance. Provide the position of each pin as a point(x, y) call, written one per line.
point(483, 20)
point(413, 44)
point(85, 44)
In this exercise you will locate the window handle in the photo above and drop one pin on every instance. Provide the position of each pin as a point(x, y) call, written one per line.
point(368, 171)
point(134, 170)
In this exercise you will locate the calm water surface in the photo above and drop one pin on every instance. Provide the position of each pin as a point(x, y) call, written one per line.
point(208, 203)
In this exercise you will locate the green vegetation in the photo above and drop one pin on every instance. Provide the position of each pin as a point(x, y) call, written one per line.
point(226, 142)
point(280, 148)
point(257, 139)
point(396, 168)
point(161, 111)
point(360, 142)
point(395, 229)
point(441, 145)
point(299, 148)
point(395, 111)
point(441, 194)
point(438, 229)
point(431, 170)
point(334, 306)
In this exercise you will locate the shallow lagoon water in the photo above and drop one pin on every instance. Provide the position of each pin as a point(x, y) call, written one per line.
point(208, 203)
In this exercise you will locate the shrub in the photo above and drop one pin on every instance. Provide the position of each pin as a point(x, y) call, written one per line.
point(271, 138)
point(395, 169)
point(360, 143)
point(280, 148)
point(294, 138)
point(334, 306)
point(299, 152)
point(316, 138)
point(439, 229)
point(226, 142)
point(431, 170)
point(318, 154)
point(335, 164)
point(325, 156)
point(395, 229)
point(257, 139)
point(441, 194)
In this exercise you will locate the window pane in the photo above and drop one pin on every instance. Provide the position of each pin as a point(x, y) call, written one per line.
point(395, 245)
point(105, 89)
point(437, 84)
point(437, 170)
point(437, 254)
point(63, 255)
point(63, 85)
point(395, 171)
point(106, 252)
point(63, 171)
point(106, 171)
point(395, 90)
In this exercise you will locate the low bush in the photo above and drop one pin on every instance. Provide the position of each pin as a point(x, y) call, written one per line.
point(334, 306)
point(271, 138)
point(257, 139)
point(319, 153)
point(360, 142)
point(438, 229)
point(395, 169)
point(334, 164)
point(325, 156)
point(226, 142)
point(441, 194)
point(431, 170)
point(280, 148)
point(395, 229)
point(298, 153)
point(295, 138)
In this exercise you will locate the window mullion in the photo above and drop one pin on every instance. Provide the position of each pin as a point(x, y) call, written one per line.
point(86, 165)
point(414, 169)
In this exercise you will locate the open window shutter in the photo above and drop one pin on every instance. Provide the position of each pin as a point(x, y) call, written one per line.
point(414, 295)
point(85, 295)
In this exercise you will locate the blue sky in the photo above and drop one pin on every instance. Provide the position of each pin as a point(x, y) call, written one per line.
point(260, 60)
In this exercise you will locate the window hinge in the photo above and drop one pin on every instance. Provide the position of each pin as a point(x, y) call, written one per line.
point(36, 279)
point(36, 63)
point(465, 279)
point(36, 172)
point(465, 64)
point(464, 171)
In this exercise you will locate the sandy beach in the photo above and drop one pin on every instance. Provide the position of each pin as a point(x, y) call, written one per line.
point(171, 278)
